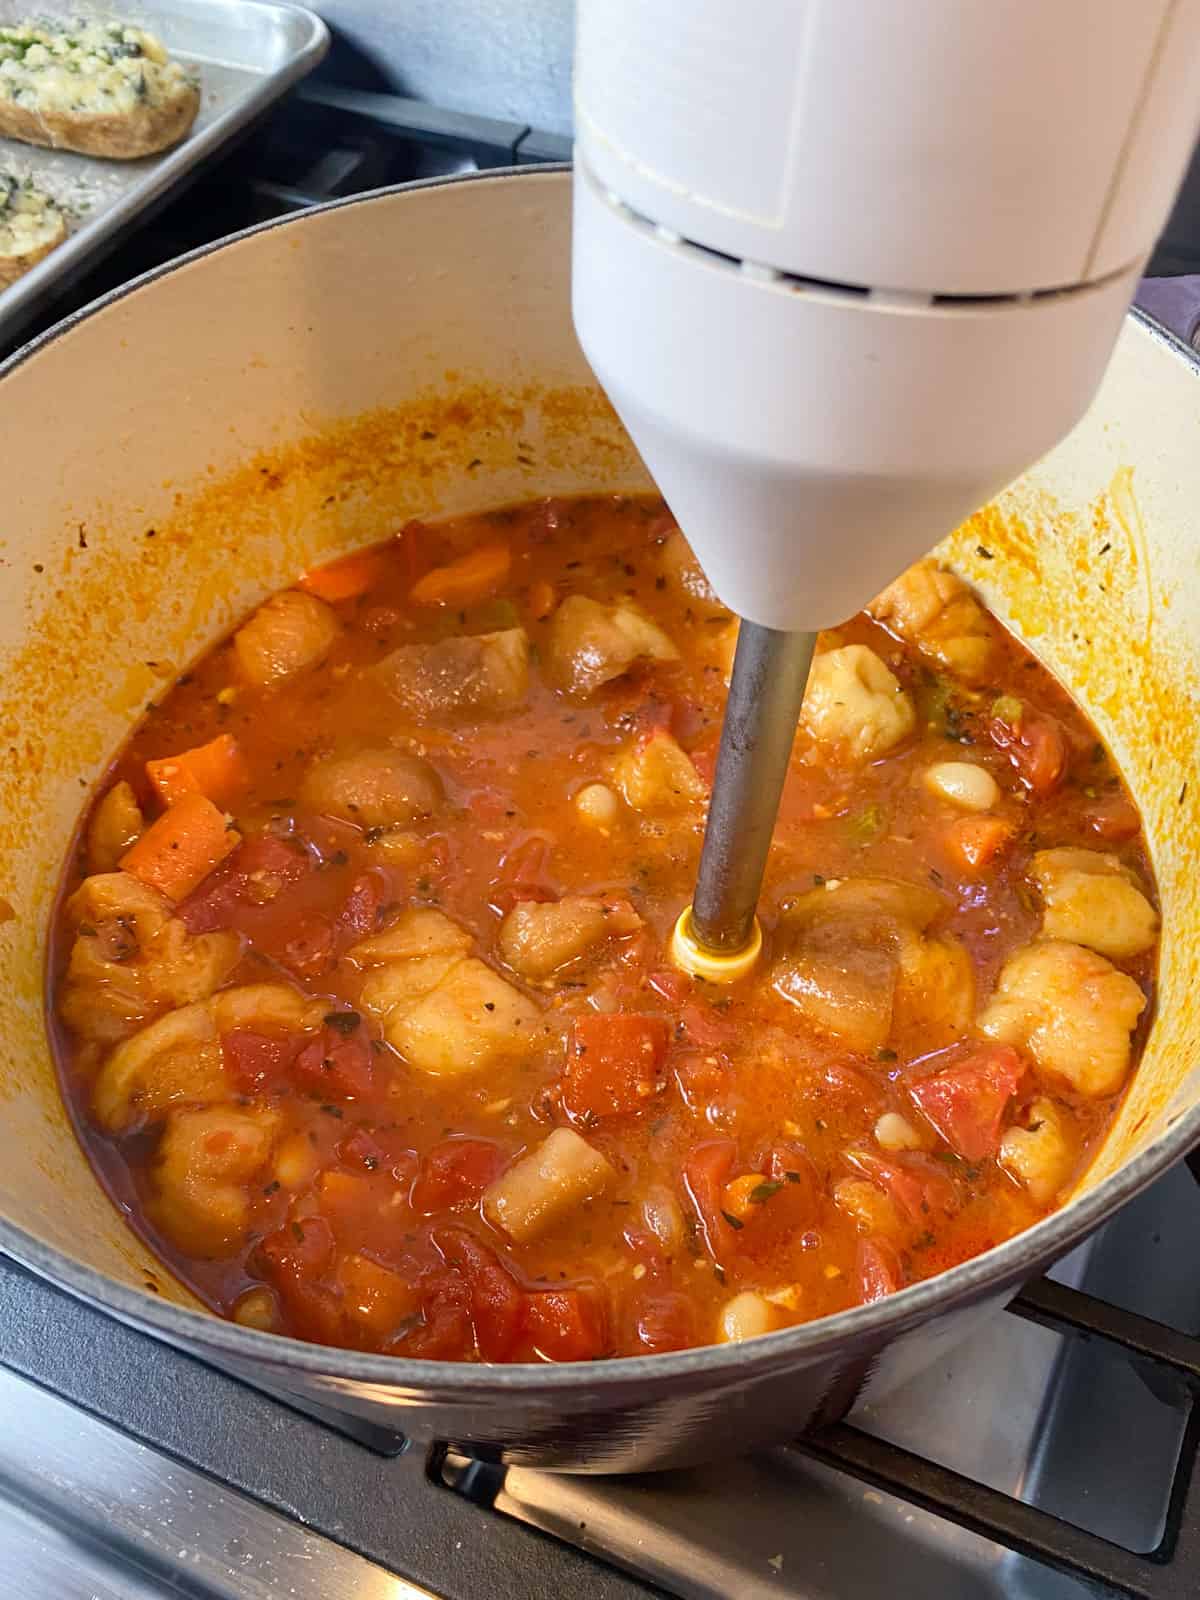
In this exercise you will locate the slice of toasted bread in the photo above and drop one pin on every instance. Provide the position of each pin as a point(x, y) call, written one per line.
point(100, 88)
point(31, 225)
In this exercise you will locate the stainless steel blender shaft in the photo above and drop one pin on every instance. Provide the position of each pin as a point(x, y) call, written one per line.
point(770, 671)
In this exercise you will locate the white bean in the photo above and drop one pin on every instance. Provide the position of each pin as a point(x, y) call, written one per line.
point(746, 1316)
point(894, 1132)
point(963, 784)
point(257, 1309)
point(597, 805)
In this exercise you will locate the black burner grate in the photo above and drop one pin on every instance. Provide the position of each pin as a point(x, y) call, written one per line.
point(1169, 1572)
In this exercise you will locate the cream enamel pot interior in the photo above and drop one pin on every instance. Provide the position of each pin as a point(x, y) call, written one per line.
point(190, 444)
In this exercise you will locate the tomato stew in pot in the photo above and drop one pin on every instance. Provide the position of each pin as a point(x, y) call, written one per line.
point(360, 985)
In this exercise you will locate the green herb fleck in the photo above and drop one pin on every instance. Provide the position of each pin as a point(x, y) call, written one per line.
point(762, 1192)
point(865, 826)
point(735, 1223)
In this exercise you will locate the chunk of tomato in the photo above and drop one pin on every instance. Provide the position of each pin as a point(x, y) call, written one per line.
point(523, 875)
point(663, 1320)
point(566, 1324)
point(496, 1300)
point(303, 1248)
point(383, 1150)
point(878, 1270)
point(308, 946)
point(257, 871)
point(445, 1332)
point(294, 1259)
point(918, 1188)
point(674, 987)
point(614, 1064)
point(1037, 747)
point(335, 1066)
point(706, 1028)
point(359, 910)
point(966, 1101)
point(706, 1172)
point(455, 1173)
point(1112, 817)
point(259, 1063)
point(704, 1078)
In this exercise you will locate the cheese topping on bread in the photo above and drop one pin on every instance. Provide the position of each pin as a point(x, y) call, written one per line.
point(29, 219)
point(87, 68)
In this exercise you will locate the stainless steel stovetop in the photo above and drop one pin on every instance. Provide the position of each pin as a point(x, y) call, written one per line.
point(1049, 1460)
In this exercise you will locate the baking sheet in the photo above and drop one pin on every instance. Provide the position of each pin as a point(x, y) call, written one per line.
point(247, 53)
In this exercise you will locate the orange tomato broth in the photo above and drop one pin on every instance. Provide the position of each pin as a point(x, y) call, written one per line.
point(742, 1087)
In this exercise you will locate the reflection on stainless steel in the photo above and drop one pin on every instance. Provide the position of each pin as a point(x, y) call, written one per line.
point(93, 1513)
point(770, 672)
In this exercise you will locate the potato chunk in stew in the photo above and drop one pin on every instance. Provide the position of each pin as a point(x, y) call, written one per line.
point(116, 825)
point(657, 777)
point(1072, 1010)
point(374, 788)
point(205, 1159)
point(538, 939)
point(854, 704)
point(362, 985)
point(1041, 1151)
point(542, 1188)
point(483, 674)
point(132, 959)
point(288, 633)
point(936, 611)
point(1091, 899)
point(590, 643)
point(857, 963)
point(444, 1011)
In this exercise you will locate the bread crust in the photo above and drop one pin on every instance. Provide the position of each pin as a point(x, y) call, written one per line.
point(144, 131)
point(13, 267)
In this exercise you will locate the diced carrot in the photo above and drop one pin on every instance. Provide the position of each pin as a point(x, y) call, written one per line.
point(974, 843)
point(541, 600)
point(472, 577)
point(374, 1297)
point(216, 770)
point(178, 852)
point(738, 1197)
point(345, 579)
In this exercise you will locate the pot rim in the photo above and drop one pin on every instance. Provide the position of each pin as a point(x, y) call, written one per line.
point(1003, 1267)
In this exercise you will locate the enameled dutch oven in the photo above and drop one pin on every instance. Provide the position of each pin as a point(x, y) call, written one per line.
point(190, 443)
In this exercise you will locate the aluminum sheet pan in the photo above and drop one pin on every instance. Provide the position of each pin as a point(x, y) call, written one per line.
point(246, 52)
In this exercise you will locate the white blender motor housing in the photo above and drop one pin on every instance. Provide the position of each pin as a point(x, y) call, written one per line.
point(847, 267)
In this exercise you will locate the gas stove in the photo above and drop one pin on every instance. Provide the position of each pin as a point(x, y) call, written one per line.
point(1051, 1459)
